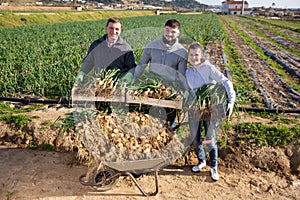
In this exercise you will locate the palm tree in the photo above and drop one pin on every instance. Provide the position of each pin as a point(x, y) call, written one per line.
point(243, 4)
point(273, 5)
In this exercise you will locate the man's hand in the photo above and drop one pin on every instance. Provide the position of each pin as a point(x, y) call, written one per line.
point(79, 77)
point(229, 109)
point(128, 78)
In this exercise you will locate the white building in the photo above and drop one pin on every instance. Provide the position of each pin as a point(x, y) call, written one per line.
point(150, 7)
point(231, 7)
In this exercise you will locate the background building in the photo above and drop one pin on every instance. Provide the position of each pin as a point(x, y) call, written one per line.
point(231, 7)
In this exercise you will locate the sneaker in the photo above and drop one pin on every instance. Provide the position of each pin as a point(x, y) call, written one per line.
point(197, 168)
point(174, 127)
point(214, 173)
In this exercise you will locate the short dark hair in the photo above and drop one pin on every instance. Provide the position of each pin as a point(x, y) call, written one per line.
point(173, 23)
point(195, 45)
point(113, 20)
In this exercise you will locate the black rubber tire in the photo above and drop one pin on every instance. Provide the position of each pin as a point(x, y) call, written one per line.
point(98, 175)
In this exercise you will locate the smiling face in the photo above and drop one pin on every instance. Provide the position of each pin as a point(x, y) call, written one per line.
point(195, 57)
point(113, 31)
point(170, 34)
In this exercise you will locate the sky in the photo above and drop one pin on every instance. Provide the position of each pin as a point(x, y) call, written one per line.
point(260, 3)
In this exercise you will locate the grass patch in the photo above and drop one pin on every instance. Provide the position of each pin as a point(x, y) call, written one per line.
point(276, 118)
point(16, 115)
point(47, 147)
point(263, 135)
point(10, 20)
point(16, 119)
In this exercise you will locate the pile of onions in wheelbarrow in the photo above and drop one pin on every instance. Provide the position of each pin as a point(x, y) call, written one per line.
point(115, 131)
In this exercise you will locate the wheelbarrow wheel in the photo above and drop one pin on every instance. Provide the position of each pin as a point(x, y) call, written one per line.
point(103, 179)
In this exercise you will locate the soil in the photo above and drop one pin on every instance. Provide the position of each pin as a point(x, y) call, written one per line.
point(41, 174)
point(276, 92)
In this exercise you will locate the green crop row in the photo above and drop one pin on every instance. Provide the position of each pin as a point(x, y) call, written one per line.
point(43, 60)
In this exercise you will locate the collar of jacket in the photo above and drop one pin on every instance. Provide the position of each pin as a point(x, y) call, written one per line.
point(166, 45)
point(103, 38)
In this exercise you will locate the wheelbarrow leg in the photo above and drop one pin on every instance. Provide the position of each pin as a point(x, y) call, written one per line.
point(139, 186)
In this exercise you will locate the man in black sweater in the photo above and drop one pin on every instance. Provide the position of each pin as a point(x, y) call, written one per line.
point(108, 52)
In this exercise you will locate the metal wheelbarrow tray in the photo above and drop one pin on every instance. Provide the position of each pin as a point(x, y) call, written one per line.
point(105, 176)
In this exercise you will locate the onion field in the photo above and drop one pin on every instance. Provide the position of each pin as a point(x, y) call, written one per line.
point(262, 57)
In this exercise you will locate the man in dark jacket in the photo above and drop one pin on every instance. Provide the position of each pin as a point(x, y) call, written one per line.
point(108, 52)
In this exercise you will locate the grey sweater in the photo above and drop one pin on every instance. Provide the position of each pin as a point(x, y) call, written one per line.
point(164, 60)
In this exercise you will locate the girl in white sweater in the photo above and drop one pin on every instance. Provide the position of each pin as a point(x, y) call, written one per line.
point(200, 73)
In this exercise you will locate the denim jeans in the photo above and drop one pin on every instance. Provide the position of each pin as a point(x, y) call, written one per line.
point(171, 118)
point(210, 134)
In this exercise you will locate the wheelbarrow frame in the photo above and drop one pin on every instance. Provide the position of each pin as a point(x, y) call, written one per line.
point(125, 168)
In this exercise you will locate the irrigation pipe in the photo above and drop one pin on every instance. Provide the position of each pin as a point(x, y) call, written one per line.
point(267, 110)
point(64, 101)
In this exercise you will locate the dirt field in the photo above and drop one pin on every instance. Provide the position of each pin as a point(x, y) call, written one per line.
point(29, 174)
point(35, 174)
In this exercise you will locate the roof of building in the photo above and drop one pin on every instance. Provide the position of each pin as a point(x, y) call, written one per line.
point(234, 2)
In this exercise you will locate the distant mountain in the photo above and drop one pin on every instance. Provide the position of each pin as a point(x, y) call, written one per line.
point(190, 4)
point(173, 3)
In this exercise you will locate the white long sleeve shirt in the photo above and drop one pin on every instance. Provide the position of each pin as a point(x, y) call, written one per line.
point(207, 73)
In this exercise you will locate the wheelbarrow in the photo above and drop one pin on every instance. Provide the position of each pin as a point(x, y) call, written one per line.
point(112, 162)
point(105, 176)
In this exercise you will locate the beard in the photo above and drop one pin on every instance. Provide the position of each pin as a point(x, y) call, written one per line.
point(169, 42)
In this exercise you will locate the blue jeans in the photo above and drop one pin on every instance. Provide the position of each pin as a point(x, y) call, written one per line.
point(210, 134)
point(171, 118)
